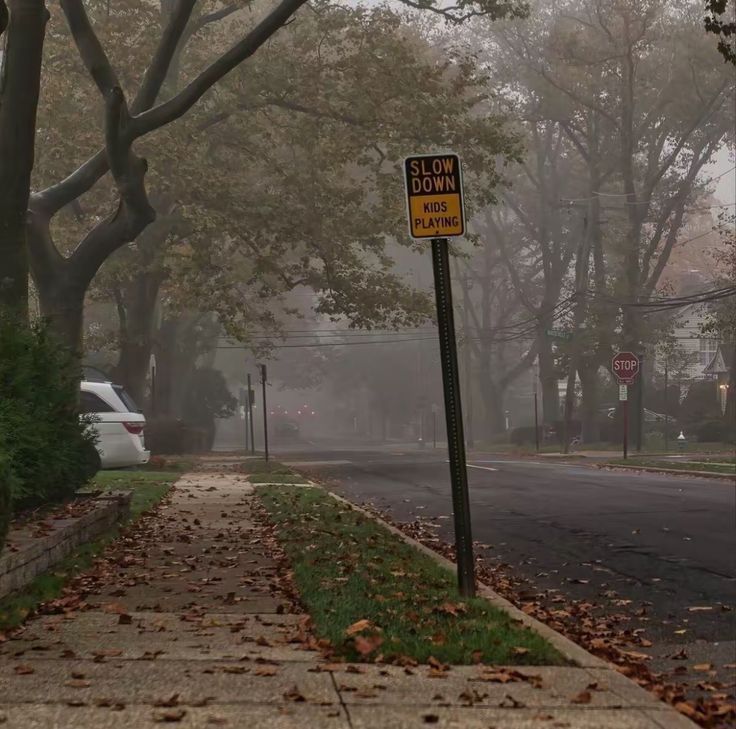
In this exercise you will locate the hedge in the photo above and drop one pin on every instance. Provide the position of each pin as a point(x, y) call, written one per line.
point(50, 451)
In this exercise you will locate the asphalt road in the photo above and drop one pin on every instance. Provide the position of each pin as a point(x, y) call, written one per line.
point(626, 540)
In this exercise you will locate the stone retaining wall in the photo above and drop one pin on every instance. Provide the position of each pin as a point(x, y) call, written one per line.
point(25, 556)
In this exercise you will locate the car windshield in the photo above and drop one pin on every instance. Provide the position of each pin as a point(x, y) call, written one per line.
point(126, 398)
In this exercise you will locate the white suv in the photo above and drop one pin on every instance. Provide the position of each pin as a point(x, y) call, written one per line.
point(118, 422)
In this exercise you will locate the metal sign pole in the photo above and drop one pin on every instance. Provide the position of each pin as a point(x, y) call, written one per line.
point(249, 406)
point(265, 412)
point(640, 405)
point(626, 428)
point(245, 420)
point(454, 418)
point(152, 368)
point(666, 415)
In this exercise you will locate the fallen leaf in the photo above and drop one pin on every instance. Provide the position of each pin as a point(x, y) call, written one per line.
point(172, 715)
point(173, 700)
point(509, 702)
point(266, 671)
point(293, 694)
point(584, 697)
point(24, 670)
point(357, 627)
point(78, 683)
point(366, 645)
point(520, 651)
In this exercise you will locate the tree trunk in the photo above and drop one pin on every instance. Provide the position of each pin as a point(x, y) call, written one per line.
point(549, 381)
point(589, 381)
point(62, 305)
point(493, 412)
point(19, 89)
point(136, 312)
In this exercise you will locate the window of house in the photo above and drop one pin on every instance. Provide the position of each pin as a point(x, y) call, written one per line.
point(708, 349)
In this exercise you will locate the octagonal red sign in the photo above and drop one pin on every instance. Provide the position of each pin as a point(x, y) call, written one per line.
point(625, 366)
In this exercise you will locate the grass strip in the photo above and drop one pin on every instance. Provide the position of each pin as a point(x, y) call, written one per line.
point(148, 489)
point(262, 471)
point(349, 570)
point(676, 465)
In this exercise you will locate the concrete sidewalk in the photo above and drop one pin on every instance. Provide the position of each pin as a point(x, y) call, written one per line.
point(191, 627)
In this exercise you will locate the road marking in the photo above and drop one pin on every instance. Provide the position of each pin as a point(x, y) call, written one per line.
point(482, 468)
point(533, 463)
point(317, 463)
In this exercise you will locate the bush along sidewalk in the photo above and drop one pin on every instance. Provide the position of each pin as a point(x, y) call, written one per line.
point(148, 490)
point(46, 452)
point(374, 597)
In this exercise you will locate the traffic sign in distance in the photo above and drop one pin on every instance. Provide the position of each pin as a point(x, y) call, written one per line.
point(625, 366)
point(558, 334)
point(434, 196)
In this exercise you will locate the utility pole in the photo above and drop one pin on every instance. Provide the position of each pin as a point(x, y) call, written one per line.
point(152, 368)
point(249, 409)
point(581, 284)
point(265, 411)
point(640, 405)
point(535, 376)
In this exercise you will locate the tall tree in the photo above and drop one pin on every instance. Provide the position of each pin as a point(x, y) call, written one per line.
point(62, 280)
point(644, 105)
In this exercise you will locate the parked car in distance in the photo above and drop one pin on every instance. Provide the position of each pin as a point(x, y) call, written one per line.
point(286, 430)
point(118, 422)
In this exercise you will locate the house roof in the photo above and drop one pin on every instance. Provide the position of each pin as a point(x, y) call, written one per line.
point(719, 365)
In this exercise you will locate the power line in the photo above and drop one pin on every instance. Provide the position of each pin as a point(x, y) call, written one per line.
point(330, 344)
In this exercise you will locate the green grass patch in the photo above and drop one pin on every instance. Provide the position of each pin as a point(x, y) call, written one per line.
point(148, 489)
point(290, 477)
point(709, 466)
point(262, 471)
point(348, 568)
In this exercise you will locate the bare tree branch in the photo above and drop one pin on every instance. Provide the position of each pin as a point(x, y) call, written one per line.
point(181, 103)
point(158, 69)
point(90, 49)
point(55, 197)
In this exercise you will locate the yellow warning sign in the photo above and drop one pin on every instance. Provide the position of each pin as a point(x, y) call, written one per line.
point(434, 192)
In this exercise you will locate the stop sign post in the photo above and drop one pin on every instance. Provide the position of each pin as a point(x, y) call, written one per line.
point(625, 367)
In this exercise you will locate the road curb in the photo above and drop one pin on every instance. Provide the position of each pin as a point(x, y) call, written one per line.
point(669, 471)
point(570, 650)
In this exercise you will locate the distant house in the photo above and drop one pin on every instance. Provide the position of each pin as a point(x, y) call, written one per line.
point(719, 369)
point(691, 340)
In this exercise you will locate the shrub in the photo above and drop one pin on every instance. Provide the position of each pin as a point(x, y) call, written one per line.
point(700, 403)
point(168, 436)
point(207, 398)
point(7, 486)
point(51, 451)
point(715, 431)
point(524, 435)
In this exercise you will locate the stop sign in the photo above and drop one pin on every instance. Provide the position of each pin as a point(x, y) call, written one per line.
point(625, 366)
